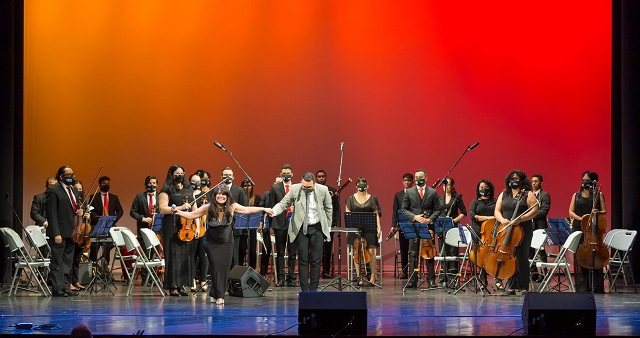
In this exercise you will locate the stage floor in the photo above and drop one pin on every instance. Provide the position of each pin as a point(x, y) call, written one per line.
point(390, 313)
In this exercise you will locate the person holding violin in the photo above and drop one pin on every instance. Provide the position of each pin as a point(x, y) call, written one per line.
point(407, 182)
point(205, 178)
point(451, 205)
point(421, 204)
point(200, 261)
point(218, 240)
point(580, 207)
point(482, 209)
point(362, 201)
point(327, 248)
point(144, 206)
point(104, 204)
point(175, 195)
point(518, 188)
point(78, 251)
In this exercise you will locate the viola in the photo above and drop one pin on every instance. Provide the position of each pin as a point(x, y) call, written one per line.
point(592, 253)
point(428, 249)
point(203, 219)
point(187, 227)
point(360, 248)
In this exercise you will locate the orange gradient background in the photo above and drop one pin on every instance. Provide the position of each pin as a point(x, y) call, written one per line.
point(135, 86)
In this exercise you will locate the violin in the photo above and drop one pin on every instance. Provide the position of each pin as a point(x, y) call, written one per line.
point(81, 233)
point(187, 227)
point(592, 253)
point(203, 219)
point(360, 248)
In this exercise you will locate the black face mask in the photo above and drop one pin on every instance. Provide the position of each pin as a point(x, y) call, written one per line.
point(420, 181)
point(206, 182)
point(362, 187)
point(513, 184)
point(227, 180)
point(286, 177)
point(68, 180)
point(151, 189)
point(105, 188)
point(587, 185)
point(196, 186)
point(484, 192)
point(179, 178)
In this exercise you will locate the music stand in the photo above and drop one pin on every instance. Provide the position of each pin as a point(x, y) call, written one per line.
point(156, 226)
point(365, 222)
point(339, 280)
point(442, 225)
point(558, 231)
point(419, 231)
point(101, 234)
point(248, 222)
point(475, 278)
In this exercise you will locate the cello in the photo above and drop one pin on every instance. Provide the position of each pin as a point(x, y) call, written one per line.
point(488, 232)
point(500, 262)
point(592, 253)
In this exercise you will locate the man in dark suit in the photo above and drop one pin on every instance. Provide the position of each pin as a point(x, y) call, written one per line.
point(144, 205)
point(420, 204)
point(407, 182)
point(540, 219)
point(62, 206)
point(239, 235)
point(310, 224)
point(327, 248)
point(38, 211)
point(280, 226)
point(104, 204)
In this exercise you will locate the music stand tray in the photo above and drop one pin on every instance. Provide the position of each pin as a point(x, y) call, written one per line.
point(248, 221)
point(101, 274)
point(558, 231)
point(157, 223)
point(103, 226)
point(442, 225)
point(418, 231)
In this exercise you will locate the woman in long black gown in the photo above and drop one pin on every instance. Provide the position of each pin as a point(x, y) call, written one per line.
point(178, 254)
point(580, 207)
point(451, 205)
point(483, 209)
point(218, 240)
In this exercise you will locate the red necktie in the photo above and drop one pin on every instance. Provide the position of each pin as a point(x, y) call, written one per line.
point(73, 200)
point(421, 192)
point(286, 191)
point(105, 205)
point(150, 204)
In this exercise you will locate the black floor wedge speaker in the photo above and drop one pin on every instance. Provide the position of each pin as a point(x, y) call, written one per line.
point(246, 282)
point(553, 313)
point(332, 313)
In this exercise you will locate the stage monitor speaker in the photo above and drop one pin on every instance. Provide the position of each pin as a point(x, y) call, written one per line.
point(85, 273)
point(559, 314)
point(330, 313)
point(246, 282)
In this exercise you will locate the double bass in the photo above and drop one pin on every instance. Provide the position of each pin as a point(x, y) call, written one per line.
point(592, 253)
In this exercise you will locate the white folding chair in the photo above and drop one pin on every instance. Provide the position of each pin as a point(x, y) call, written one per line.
point(116, 236)
point(453, 239)
point(271, 270)
point(561, 262)
point(538, 242)
point(152, 247)
point(622, 243)
point(38, 242)
point(141, 260)
point(24, 263)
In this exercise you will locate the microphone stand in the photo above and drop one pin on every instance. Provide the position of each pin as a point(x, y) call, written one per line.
point(15, 213)
point(438, 181)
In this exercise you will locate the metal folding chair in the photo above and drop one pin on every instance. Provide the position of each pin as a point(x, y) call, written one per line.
point(561, 262)
point(141, 260)
point(24, 263)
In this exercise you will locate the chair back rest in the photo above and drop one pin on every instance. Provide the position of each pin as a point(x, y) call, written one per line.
point(36, 236)
point(150, 238)
point(623, 240)
point(130, 240)
point(13, 239)
point(453, 238)
point(609, 236)
point(573, 241)
point(539, 238)
point(116, 236)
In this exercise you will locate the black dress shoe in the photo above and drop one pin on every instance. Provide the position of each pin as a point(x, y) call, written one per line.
point(403, 276)
point(411, 285)
point(292, 283)
point(326, 275)
point(69, 292)
point(59, 294)
point(183, 292)
point(432, 285)
point(280, 284)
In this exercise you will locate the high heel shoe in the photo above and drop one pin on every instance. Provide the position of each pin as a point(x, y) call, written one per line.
point(183, 292)
point(203, 287)
point(174, 292)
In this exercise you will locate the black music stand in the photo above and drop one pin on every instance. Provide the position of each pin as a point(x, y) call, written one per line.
point(156, 226)
point(442, 225)
point(476, 281)
point(339, 280)
point(419, 231)
point(101, 275)
point(248, 222)
point(557, 234)
point(365, 222)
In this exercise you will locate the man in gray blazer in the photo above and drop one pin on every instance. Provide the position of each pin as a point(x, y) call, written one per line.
point(420, 204)
point(310, 225)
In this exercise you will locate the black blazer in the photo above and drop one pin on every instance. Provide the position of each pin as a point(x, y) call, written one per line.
point(275, 195)
point(335, 203)
point(397, 204)
point(38, 211)
point(115, 208)
point(412, 205)
point(60, 214)
point(140, 209)
point(238, 195)
point(540, 219)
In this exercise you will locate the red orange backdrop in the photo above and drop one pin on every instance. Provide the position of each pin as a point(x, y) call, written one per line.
point(135, 86)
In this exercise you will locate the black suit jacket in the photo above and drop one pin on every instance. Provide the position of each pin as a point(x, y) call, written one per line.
point(38, 211)
point(140, 210)
point(335, 203)
point(238, 195)
point(540, 219)
point(60, 214)
point(115, 208)
point(412, 205)
point(275, 195)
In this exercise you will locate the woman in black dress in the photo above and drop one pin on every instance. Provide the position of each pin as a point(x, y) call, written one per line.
point(362, 201)
point(580, 207)
point(516, 182)
point(218, 240)
point(178, 254)
point(451, 205)
point(482, 209)
point(201, 264)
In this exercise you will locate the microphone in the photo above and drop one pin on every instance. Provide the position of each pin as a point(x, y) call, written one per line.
point(173, 208)
point(473, 146)
point(217, 144)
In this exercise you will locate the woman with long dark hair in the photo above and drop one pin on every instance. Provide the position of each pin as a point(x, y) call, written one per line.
point(482, 209)
point(178, 254)
point(451, 205)
point(218, 240)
